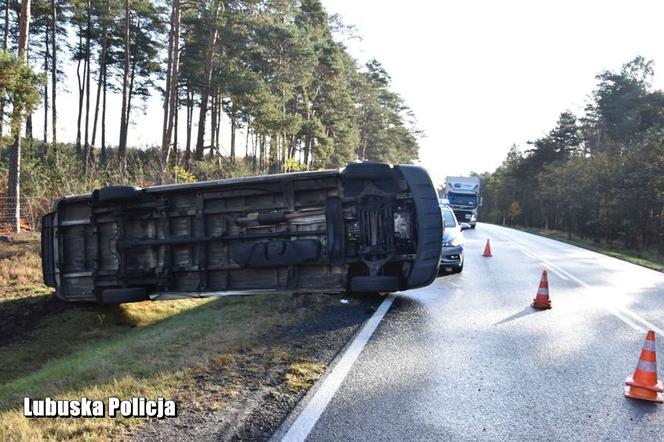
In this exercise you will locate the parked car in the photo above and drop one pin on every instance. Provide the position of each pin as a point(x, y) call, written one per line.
point(368, 228)
point(451, 260)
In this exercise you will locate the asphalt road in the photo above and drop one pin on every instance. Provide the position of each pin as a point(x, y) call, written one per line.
point(467, 358)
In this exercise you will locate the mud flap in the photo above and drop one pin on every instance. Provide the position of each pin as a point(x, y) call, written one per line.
point(364, 284)
point(336, 249)
point(47, 255)
point(119, 296)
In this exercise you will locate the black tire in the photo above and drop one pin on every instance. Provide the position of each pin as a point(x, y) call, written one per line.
point(117, 194)
point(364, 284)
point(120, 296)
point(367, 171)
point(472, 226)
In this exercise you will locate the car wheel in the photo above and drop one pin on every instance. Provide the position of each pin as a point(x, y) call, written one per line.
point(472, 226)
point(367, 171)
point(117, 194)
point(364, 284)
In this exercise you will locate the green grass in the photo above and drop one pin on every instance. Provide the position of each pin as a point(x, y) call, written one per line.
point(76, 328)
point(650, 260)
point(143, 349)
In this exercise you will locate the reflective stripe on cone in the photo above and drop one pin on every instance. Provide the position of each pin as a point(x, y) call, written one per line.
point(643, 384)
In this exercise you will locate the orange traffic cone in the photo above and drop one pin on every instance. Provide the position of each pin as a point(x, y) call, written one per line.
point(542, 301)
point(643, 384)
point(487, 249)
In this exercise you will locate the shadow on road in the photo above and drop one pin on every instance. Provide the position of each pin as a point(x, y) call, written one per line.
point(526, 311)
point(641, 409)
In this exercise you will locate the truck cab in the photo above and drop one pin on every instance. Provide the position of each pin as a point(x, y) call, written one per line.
point(463, 196)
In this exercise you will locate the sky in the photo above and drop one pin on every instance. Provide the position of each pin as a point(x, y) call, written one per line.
point(480, 75)
point(483, 75)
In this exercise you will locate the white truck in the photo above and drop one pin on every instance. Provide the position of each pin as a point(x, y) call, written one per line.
point(463, 195)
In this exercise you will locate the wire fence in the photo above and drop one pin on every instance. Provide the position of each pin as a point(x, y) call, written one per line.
point(31, 209)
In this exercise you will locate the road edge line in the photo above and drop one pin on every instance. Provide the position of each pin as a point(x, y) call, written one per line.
point(308, 417)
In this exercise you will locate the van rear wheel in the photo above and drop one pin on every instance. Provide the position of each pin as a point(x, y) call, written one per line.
point(363, 284)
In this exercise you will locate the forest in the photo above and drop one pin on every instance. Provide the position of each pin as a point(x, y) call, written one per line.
point(597, 176)
point(274, 77)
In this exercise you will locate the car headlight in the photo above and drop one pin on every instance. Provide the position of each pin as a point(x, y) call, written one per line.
point(452, 243)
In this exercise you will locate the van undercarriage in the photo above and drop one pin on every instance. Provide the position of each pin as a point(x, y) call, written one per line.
point(369, 228)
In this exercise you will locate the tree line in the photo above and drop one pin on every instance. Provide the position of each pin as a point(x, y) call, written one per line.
point(268, 73)
point(599, 175)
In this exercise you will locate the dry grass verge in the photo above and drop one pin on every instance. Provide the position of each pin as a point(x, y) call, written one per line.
point(302, 375)
point(20, 267)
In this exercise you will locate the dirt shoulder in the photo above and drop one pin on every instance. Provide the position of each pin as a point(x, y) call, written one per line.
point(245, 396)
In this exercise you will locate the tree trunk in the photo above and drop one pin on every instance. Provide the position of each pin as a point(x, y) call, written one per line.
point(81, 89)
point(175, 131)
point(307, 148)
point(167, 97)
point(5, 37)
point(233, 128)
point(14, 176)
point(130, 93)
point(88, 37)
point(263, 153)
point(54, 76)
point(46, 89)
point(100, 79)
point(190, 117)
point(175, 73)
point(5, 44)
point(207, 78)
point(95, 119)
point(217, 131)
point(171, 96)
point(254, 148)
point(213, 125)
point(28, 127)
point(103, 120)
point(122, 145)
point(246, 142)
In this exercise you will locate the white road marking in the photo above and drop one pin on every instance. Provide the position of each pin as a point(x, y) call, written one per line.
point(545, 262)
point(625, 319)
point(619, 311)
point(649, 325)
point(314, 409)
